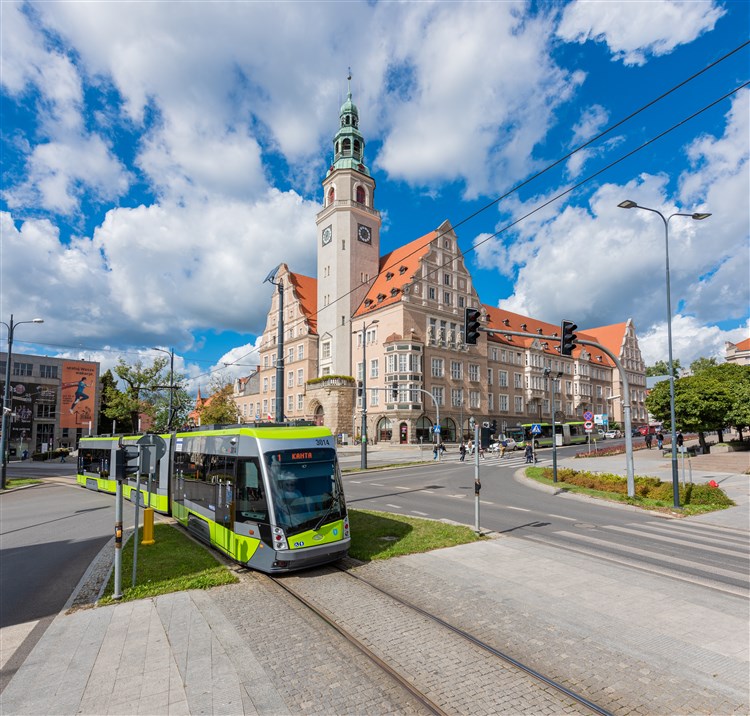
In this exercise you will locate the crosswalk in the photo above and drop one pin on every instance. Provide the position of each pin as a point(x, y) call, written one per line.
point(514, 459)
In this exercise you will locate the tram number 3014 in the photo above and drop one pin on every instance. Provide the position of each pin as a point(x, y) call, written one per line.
point(326, 442)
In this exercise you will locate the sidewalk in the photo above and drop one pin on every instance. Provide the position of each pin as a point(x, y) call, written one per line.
point(646, 645)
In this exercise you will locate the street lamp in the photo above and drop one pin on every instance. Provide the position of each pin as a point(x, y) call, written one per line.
point(170, 353)
point(6, 397)
point(363, 436)
point(548, 372)
point(696, 216)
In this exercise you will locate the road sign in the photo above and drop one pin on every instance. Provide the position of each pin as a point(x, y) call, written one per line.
point(536, 429)
point(588, 415)
point(436, 430)
point(155, 441)
point(588, 426)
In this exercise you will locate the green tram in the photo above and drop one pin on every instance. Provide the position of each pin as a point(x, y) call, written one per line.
point(573, 433)
point(270, 497)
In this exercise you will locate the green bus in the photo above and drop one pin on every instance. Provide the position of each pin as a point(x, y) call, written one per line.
point(572, 433)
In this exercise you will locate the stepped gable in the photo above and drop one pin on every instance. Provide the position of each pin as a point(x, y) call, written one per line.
point(396, 269)
point(499, 319)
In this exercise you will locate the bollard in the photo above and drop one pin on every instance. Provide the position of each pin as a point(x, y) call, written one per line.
point(148, 526)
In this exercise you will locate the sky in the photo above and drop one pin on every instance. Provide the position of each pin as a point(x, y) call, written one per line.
point(160, 158)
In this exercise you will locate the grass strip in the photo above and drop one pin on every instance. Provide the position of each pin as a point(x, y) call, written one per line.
point(174, 563)
point(382, 535)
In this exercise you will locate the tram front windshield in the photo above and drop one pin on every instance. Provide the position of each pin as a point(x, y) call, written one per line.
point(306, 488)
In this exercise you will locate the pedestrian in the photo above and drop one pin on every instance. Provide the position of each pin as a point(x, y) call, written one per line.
point(24, 455)
point(648, 440)
point(660, 440)
point(62, 456)
point(442, 448)
point(680, 440)
point(503, 448)
point(462, 451)
point(471, 447)
point(434, 451)
point(529, 453)
point(481, 450)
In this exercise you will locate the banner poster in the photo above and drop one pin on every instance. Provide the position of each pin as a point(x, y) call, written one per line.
point(79, 386)
point(22, 398)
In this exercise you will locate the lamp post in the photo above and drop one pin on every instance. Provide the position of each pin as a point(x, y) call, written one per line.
point(363, 430)
point(170, 353)
point(696, 216)
point(548, 373)
point(280, 345)
point(6, 397)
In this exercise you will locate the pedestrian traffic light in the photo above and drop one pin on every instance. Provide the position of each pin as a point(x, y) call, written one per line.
point(394, 391)
point(471, 326)
point(568, 338)
point(127, 461)
point(359, 388)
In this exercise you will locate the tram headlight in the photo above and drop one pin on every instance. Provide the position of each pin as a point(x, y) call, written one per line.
point(279, 538)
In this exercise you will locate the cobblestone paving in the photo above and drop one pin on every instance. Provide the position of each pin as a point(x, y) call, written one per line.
point(455, 674)
point(656, 676)
point(310, 665)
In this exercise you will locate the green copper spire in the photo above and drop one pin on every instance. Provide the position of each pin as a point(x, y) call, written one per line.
point(349, 144)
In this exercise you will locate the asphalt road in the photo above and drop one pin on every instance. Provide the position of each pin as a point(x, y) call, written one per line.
point(712, 556)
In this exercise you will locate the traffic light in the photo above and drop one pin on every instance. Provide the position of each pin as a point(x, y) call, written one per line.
point(394, 391)
point(568, 338)
point(127, 461)
point(359, 388)
point(471, 326)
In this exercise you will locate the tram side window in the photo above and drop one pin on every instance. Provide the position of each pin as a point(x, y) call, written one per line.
point(189, 465)
point(95, 462)
point(250, 503)
point(220, 468)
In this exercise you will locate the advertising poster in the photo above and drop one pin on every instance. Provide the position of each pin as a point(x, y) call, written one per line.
point(79, 386)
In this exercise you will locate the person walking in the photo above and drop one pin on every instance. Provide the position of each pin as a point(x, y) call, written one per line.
point(62, 456)
point(503, 448)
point(680, 440)
point(529, 453)
point(434, 451)
point(648, 439)
point(660, 440)
point(462, 451)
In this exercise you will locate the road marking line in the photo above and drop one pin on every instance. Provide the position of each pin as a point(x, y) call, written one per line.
point(520, 509)
point(376, 484)
point(399, 487)
point(562, 517)
point(423, 514)
point(395, 507)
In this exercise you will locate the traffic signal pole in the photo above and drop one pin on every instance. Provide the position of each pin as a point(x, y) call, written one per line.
point(629, 468)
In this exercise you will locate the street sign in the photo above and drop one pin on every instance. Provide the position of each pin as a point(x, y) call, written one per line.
point(536, 429)
point(155, 441)
point(588, 415)
point(588, 426)
point(436, 430)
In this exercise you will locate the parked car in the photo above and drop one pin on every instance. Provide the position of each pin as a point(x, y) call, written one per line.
point(612, 434)
point(510, 444)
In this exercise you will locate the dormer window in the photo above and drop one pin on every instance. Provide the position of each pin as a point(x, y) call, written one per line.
point(368, 302)
point(381, 297)
point(402, 269)
point(539, 331)
point(394, 292)
point(523, 326)
point(388, 276)
point(506, 322)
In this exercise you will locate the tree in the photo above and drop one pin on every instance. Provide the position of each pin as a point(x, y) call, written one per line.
point(181, 405)
point(710, 400)
point(138, 397)
point(737, 380)
point(661, 367)
point(107, 383)
point(220, 408)
point(701, 364)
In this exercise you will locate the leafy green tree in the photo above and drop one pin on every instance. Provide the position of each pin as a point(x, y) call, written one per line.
point(737, 380)
point(138, 396)
point(221, 409)
point(181, 405)
point(701, 364)
point(661, 367)
point(107, 383)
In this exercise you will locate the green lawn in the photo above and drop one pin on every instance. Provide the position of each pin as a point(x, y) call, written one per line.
point(381, 535)
point(21, 482)
point(174, 563)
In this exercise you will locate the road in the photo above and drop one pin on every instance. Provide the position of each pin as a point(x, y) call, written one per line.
point(715, 557)
point(49, 535)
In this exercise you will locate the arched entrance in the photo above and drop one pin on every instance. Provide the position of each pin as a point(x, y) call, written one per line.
point(448, 431)
point(385, 430)
point(403, 434)
point(424, 430)
point(320, 415)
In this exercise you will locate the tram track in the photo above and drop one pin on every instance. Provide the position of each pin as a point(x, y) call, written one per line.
point(432, 688)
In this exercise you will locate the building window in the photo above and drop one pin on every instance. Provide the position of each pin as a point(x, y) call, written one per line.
point(374, 368)
point(474, 398)
point(21, 368)
point(490, 402)
point(289, 403)
point(273, 382)
point(374, 393)
point(300, 352)
point(447, 298)
point(502, 378)
point(457, 397)
point(461, 302)
point(300, 401)
point(326, 350)
point(473, 372)
point(457, 370)
point(517, 380)
point(489, 376)
point(290, 379)
point(431, 293)
point(44, 410)
point(47, 371)
point(519, 405)
point(359, 370)
point(265, 385)
point(290, 355)
point(502, 403)
point(300, 376)
point(446, 279)
point(437, 394)
point(437, 367)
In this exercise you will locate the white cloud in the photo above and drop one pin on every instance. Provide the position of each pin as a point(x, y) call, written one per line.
point(602, 264)
point(634, 30)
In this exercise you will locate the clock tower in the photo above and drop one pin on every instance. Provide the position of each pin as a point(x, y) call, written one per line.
point(348, 235)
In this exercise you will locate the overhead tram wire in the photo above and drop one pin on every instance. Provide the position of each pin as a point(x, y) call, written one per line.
point(546, 169)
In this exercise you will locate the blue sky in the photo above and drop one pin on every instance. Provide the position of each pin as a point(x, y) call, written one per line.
point(160, 158)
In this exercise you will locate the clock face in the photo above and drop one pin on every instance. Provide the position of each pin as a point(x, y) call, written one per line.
point(363, 233)
point(327, 235)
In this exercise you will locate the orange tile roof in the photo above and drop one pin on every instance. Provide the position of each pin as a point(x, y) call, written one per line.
point(611, 337)
point(306, 288)
point(497, 317)
point(743, 345)
point(396, 269)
